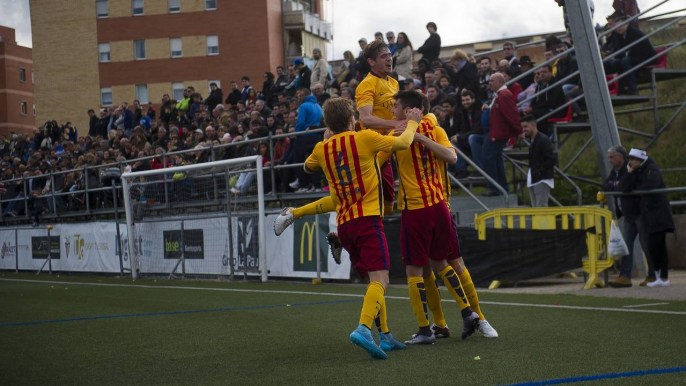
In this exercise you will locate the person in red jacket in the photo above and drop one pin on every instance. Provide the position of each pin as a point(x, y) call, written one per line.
point(504, 124)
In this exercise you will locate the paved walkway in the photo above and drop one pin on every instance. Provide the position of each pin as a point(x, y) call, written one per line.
point(554, 285)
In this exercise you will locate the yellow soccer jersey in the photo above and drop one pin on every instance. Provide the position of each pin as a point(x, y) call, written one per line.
point(442, 138)
point(379, 93)
point(349, 163)
point(421, 179)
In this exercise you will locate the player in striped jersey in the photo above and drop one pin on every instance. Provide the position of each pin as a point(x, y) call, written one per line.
point(455, 258)
point(349, 162)
point(425, 219)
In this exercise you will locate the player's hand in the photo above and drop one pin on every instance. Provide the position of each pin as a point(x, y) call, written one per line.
point(415, 114)
point(484, 107)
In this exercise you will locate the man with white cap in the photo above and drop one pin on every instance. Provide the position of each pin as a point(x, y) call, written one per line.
point(656, 213)
point(627, 210)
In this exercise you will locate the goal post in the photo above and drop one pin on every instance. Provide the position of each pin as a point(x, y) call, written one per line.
point(201, 219)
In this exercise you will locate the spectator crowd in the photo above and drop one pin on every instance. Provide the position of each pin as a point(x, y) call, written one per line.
point(472, 97)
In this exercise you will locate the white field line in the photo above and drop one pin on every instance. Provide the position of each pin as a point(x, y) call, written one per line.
point(509, 304)
point(645, 305)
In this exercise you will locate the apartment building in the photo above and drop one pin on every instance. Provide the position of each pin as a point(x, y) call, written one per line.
point(17, 110)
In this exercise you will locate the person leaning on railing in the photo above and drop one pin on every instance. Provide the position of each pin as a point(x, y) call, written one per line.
point(656, 213)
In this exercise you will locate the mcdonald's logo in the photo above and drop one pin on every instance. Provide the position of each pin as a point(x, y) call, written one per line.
point(305, 242)
point(307, 232)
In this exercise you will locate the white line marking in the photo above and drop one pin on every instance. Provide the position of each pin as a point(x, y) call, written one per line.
point(646, 305)
point(683, 313)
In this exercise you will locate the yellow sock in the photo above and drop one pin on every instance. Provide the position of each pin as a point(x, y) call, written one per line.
point(433, 299)
point(418, 300)
point(373, 301)
point(470, 292)
point(451, 281)
point(387, 208)
point(323, 205)
point(382, 319)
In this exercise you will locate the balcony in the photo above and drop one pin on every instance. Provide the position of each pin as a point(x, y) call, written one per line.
point(296, 18)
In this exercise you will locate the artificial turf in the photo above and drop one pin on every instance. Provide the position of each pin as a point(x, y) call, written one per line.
point(151, 335)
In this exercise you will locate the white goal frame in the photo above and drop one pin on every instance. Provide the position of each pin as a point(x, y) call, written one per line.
point(256, 160)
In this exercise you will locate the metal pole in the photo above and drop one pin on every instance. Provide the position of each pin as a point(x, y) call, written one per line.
point(318, 252)
point(228, 226)
point(599, 105)
point(129, 226)
point(16, 250)
point(260, 216)
point(183, 251)
point(85, 176)
point(116, 219)
point(49, 251)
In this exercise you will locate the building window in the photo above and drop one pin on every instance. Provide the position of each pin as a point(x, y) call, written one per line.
point(34, 109)
point(101, 7)
point(174, 6)
point(139, 49)
point(175, 48)
point(104, 52)
point(22, 74)
point(142, 93)
point(24, 108)
point(137, 7)
point(210, 5)
point(177, 91)
point(213, 45)
point(209, 82)
point(32, 76)
point(106, 96)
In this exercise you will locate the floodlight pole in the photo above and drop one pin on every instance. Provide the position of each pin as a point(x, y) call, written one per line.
point(598, 102)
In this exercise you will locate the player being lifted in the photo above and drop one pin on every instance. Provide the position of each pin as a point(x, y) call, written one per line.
point(374, 97)
point(348, 160)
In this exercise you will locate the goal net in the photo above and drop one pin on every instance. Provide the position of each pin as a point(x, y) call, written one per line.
point(197, 220)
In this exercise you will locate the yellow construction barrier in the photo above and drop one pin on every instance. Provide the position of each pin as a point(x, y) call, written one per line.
point(559, 218)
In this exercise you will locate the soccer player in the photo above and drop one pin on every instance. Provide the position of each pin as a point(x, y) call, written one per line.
point(348, 160)
point(456, 261)
point(425, 218)
point(374, 96)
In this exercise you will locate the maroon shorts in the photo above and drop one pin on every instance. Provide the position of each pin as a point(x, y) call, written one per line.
point(365, 241)
point(425, 234)
point(455, 250)
point(387, 181)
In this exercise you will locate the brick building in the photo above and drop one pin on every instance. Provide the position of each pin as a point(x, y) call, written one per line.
point(17, 112)
point(92, 53)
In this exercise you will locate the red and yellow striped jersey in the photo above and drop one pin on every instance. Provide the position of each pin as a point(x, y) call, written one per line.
point(442, 138)
point(421, 179)
point(379, 93)
point(349, 163)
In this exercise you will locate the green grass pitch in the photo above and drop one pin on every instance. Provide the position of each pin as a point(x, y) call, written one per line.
point(145, 333)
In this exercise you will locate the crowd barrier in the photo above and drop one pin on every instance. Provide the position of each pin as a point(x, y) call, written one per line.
point(594, 220)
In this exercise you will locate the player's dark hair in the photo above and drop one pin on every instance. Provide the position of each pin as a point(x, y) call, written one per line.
point(337, 113)
point(411, 99)
point(373, 49)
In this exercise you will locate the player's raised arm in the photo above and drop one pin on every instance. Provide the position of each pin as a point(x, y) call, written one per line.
point(371, 122)
point(443, 152)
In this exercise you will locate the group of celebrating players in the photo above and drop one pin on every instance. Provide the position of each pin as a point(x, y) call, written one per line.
point(357, 168)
